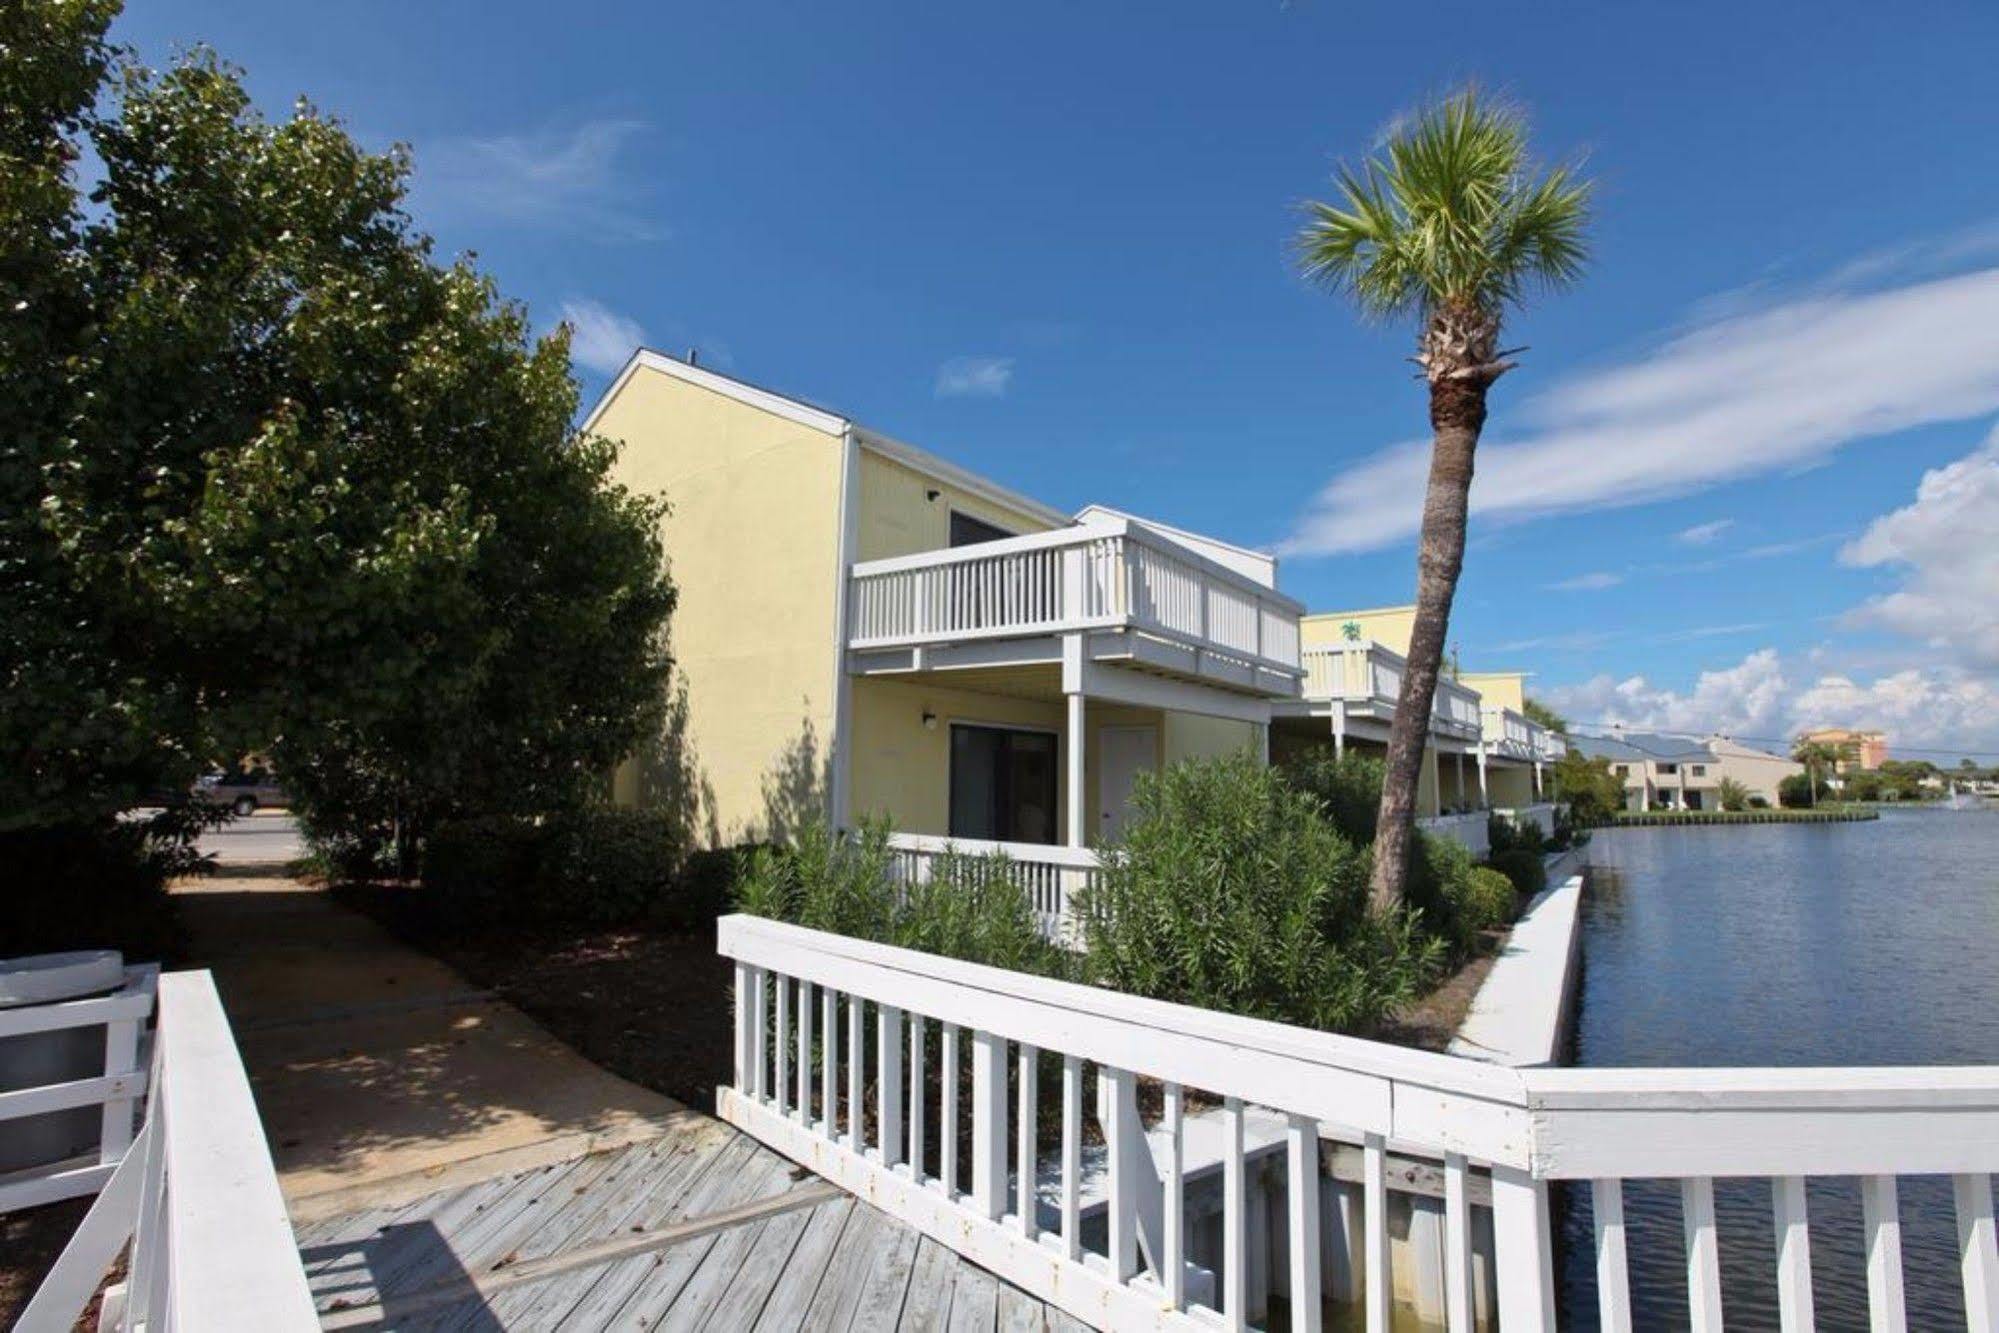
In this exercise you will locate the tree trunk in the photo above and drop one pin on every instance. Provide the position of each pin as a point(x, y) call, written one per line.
point(1457, 414)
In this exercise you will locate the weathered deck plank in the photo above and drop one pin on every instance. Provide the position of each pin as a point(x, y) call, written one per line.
point(831, 1265)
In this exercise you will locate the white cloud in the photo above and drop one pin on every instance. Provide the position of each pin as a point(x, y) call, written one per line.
point(1745, 700)
point(572, 179)
point(1702, 534)
point(1590, 582)
point(1739, 394)
point(1945, 544)
point(1939, 708)
point(974, 376)
point(600, 338)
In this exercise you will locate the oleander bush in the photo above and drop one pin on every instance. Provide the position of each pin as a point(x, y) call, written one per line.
point(1232, 889)
point(1734, 796)
point(592, 867)
point(1348, 788)
point(1526, 869)
point(1485, 900)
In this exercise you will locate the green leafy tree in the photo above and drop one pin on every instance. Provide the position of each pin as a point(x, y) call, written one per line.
point(1545, 716)
point(276, 480)
point(1820, 758)
point(1593, 792)
point(1451, 224)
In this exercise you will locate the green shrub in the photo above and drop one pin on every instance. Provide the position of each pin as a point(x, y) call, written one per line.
point(1231, 890)
point(1505, 834)
point(98, 883)
point(974, 908)
point(706, 889)
point(1795, 792)
point(598, 867)
point(1734, 796)
point(1485, 899)
point(1348, 789)
point(1526, 869)
point(606, 867)
point(1759, 802)
point(483, 867)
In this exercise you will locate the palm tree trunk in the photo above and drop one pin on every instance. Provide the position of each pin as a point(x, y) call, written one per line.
point(1457, 414)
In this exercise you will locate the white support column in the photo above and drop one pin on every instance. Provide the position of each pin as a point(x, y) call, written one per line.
point(1458, 764)
point(1484, 794)
point(1077, 820)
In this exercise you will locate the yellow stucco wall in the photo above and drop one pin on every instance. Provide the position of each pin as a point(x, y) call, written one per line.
point(1505, 688)
point(754, 541)
point(897, 517)
point(1386, 625)
point(1191, 736)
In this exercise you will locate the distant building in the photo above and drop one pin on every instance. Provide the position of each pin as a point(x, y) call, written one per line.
point(1858, 750)
point(1676, 773)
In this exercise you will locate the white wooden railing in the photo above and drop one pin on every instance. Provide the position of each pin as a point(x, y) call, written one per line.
point(122, 1014)
point(1050, 875)
point(1507, 732)
point(1469, 828)
point(1110, 574)
point(211, 1246)
point(1548, 746)
point(1367, 677)
point(833, 1057)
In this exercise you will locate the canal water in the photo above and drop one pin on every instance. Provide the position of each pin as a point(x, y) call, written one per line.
point(1787, 944)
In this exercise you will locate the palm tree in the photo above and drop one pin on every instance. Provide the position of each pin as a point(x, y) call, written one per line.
point(1450, 223)
point(1815, 755)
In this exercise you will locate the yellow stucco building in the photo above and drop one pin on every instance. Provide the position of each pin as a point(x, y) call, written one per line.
point(867, 629)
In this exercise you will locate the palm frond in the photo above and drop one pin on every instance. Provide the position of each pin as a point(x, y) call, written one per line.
point(1451, 212)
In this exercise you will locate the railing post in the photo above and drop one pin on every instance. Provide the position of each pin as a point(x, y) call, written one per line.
point(989, 1124)
point(1302, 1197)
point(1075, 584)
point(888, 1082)
point(1525, 1258)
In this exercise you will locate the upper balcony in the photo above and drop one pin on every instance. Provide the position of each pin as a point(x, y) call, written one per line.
point(1511, 734)
point(1137, 595)
point(1364, 679)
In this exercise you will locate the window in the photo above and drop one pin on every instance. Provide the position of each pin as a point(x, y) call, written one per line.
point(1668, 770)
point(1700, 770)
point(1002, 784)
point(1622, 770)
point(969, 531)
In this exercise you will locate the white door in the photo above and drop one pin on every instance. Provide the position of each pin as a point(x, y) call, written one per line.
point(1123, 753)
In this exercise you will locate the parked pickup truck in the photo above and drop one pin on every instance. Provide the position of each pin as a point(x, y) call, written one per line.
point(244, 790)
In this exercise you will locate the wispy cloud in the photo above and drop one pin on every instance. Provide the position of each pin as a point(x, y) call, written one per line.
point(1574, 641)
point(1710, 632)
point(572, 179)
point(1703, 534)
point(1590, 582)
point(600, 338)
point(1772, 388)
point(974, 377)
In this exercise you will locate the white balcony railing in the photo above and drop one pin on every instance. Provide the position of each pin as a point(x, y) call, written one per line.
point(1469, 829)
point(1541, 816)
point(1050, 875)
point(1508, 733)
point(196, 1197)
point(1495, 1137)
point(1111, 574)
point(1366, 677)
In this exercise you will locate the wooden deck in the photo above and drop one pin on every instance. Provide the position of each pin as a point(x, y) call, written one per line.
point(704, 1229)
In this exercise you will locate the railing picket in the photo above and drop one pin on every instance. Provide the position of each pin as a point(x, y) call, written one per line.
point(1235, 1219)
point(1881, 1218)
point(1374, 1221)
point(1029, 1151)
point(888, 1081)
point(803, 1111)
point(1703, 1254)
point(1978, 1249)
point(857, 1058)
point(1794, 1254)
point(742, 1045)
point(1121, 1215)
point(829, 1053)
point(780, 1045)
point(947, 1114)
point(1613, 1277)
point(989, 1123)
point(1526, 1248)
point(916, 1086)
point(1173, 1221)
point(1072, 1157)
point(1302, 1195)
point(1457, 1243)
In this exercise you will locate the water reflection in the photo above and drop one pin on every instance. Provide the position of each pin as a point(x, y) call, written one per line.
point(1776, 944)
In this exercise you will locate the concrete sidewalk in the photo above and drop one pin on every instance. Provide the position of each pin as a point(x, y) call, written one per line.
point(381, 1074)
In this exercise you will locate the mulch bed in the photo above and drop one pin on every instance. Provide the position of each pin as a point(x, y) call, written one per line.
point(651, 1006)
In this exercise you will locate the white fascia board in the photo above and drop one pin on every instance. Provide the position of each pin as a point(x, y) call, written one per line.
point(804, 414)
point(922, 460)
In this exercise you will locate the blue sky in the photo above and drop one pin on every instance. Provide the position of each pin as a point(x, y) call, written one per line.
point(1049, 242)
